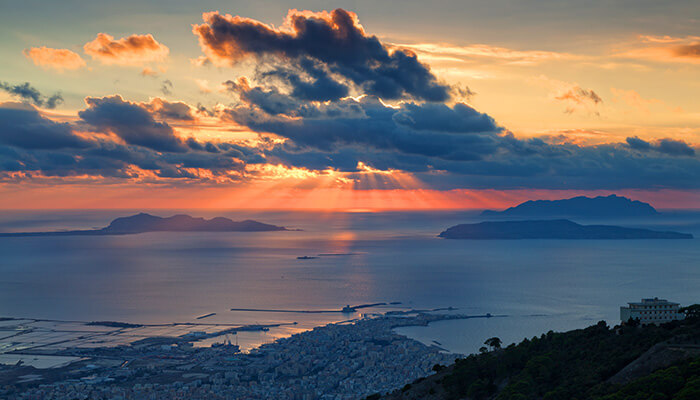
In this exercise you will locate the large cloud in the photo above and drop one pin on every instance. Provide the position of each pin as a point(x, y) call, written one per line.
point(124, 162)
point(667, 146)
point(523, 164)
point(23, 127)
point(131, 122)
point(131, 50)
point(431, 129)
point(319, 86)
point(271, 101)
point(38, 146)
point(447, 146)
point(320, 44)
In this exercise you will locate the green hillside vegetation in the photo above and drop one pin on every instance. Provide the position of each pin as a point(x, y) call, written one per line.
point(574, 365)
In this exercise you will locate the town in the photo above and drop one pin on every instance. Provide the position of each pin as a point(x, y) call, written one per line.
point(337, 361)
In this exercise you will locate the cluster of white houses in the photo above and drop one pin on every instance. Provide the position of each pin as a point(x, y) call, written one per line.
point(652, 311)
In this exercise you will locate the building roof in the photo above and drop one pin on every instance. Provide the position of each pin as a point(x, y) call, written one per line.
point(654, 302)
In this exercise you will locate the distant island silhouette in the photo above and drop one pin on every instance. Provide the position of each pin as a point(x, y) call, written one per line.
point(581, 206)
point(142, 223)
point(552, 229)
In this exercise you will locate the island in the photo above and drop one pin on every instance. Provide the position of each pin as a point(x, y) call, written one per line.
point(581, 206)
point(552, 229)
point(142, 223)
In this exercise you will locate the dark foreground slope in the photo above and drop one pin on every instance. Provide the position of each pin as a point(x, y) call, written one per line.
point(596, 363)
point(552, 229)
point(578, 207)
point(141, 223)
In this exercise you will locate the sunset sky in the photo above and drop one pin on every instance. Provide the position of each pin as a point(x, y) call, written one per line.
point(355, 105)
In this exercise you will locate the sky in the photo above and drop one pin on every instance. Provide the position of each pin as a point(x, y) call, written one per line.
point(352, 105)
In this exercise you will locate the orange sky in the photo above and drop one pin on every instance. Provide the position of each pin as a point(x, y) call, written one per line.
point(13, 196)
point(584, 92)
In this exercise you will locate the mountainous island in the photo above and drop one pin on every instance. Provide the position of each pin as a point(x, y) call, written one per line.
point(142, 223)
point(582, 206)
point(552, 229)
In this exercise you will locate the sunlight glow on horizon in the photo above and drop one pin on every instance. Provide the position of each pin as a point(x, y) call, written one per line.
point(272, 197)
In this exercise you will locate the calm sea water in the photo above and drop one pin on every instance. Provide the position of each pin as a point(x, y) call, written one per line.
point(537, 285)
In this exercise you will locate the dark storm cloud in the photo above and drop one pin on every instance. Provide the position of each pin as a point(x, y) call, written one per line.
point(510, 159)
point(29, 93)
point(318, 85)
point(131, 122)
point(675, 147)
point(271, 101)
point(543, 166)
point(440, 118)
point(318, 44)
point(666, 146)
point(458, 157)
point(22, 126)
point(638, 144)
point(115, 160)
point(60, 163)
point(31, 143)
point(412, 129)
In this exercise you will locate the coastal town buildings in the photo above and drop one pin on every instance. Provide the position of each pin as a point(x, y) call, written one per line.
point(346, 360)
point(651, 311)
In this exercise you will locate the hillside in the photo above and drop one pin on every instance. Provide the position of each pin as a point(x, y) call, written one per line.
point(595, 363)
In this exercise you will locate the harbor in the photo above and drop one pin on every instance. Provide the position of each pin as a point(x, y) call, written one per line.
point(359, 355)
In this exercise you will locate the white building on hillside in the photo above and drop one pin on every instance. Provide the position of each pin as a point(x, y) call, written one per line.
point(651, 311)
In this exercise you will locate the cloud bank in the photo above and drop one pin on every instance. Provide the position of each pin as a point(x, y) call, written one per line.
point(317, 47)
point(131, 123)
point(327, 99)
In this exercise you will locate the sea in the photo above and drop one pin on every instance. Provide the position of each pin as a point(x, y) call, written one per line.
point(529, 287)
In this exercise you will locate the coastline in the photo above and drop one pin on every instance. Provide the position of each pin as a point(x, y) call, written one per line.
point(359, 356)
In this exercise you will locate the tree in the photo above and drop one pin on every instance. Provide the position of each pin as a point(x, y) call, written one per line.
point(692, 311)
point(494, 343)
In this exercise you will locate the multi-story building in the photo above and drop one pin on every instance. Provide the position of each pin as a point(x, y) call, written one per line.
point(651, 311)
